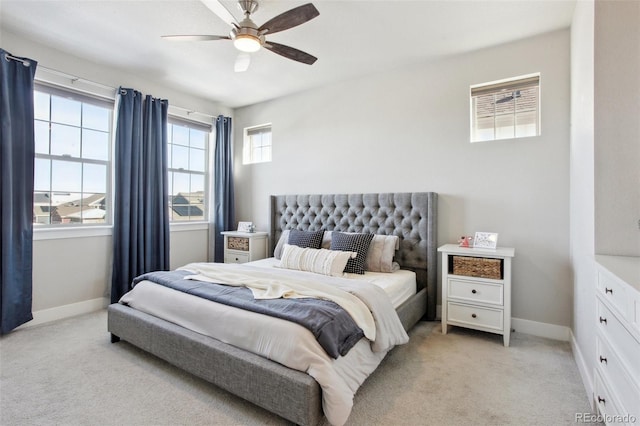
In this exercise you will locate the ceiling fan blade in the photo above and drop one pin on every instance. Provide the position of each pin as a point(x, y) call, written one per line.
point(216, 7)
point(242, 62)
point(292, 18)
point(290, 53)
point(195, 37)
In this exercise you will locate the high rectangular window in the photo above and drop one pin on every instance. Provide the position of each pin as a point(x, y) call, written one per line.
point(72, 158)
point(257, 144)
point(506, 109)
point(187, 152)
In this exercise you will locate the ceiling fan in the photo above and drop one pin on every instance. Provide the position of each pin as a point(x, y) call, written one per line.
point(511, 97)
point(247, 37)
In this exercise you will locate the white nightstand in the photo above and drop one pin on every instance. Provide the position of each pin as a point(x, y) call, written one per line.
point(476, 289)
point(241, 247)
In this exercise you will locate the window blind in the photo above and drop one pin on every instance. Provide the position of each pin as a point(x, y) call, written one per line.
point(506, 109)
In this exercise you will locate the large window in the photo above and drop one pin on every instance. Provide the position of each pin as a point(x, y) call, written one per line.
point(72, 158)
point(257, 144)
point(506, 109)
point(188, 159)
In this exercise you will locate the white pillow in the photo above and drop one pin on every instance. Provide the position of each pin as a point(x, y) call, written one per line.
point(284, 237)
point(381, 252)
point(320, 261)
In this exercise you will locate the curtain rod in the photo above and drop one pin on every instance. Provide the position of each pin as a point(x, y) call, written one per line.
point(74, 78)
point(25, 62)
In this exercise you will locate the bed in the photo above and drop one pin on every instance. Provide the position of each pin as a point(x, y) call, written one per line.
point(410, 216)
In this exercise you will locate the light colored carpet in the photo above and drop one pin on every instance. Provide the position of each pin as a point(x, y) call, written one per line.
point(68, 373)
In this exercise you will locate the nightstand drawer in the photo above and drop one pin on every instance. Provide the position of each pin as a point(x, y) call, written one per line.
point(475, 316)
point(478, 292)
point(231, 257)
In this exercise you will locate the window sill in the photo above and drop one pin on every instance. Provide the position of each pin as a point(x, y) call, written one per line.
point(71, 232)
point(188, 226)
point(103, 231)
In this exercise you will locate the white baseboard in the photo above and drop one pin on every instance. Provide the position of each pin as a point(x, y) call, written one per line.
point(583, 369)
point(541, 329)
point(60, 312)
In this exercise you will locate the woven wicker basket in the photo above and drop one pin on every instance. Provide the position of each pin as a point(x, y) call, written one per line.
point(480, 267)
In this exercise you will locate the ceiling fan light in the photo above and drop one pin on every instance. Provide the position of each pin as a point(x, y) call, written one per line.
point(246, 43)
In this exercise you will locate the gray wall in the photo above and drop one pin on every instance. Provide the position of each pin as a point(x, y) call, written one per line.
point(408, 130)
point(67, 271)
point(617, 127)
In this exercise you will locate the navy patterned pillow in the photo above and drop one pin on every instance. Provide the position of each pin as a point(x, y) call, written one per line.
point(304, 239)
point(352, 242)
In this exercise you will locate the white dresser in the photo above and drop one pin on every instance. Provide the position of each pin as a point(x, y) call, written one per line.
point(617, 373)
point(242, 247)
point(473, 300)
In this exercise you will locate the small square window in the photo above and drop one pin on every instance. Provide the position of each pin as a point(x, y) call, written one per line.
point(257, 144)
point(506, 109)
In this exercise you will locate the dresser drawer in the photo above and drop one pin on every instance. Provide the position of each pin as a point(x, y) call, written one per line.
point(605, 402)
point(626, 388)
point(613, 292)
point(479, 292)
point(475, 316)
point(231, 257)
point(622, 341)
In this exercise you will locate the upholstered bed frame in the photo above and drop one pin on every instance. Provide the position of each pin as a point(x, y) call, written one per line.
point(410, 216)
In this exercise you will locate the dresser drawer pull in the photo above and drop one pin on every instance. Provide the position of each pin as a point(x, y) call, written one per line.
point(474, 316)
point(600, 399)
point(474, 291)
point(603, 359)
point(603, 320)
point(608, 290)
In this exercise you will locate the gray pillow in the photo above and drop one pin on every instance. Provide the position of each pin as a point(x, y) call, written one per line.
point(305, 239)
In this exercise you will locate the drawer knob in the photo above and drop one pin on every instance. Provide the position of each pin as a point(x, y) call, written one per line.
point(474, 316)
point(600, 399)
point(603, 359)
point(603, 320)
point(474, 291)
point(608, 290)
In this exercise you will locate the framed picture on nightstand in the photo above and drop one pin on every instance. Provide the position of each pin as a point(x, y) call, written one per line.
point(245, 226)
point(486, 240)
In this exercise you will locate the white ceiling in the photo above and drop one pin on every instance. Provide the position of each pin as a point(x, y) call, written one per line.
point(350, 38)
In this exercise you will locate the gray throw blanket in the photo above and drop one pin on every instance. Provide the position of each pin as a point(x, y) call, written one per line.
point(332, 326)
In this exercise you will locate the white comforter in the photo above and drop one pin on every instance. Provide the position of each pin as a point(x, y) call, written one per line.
point(282, 341)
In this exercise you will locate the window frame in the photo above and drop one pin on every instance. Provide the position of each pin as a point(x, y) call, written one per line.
point(503, 87)
point(84, 98)
point(248, 146)
point(207, 129)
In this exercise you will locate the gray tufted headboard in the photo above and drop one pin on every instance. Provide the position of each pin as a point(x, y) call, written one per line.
point(412, 216)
